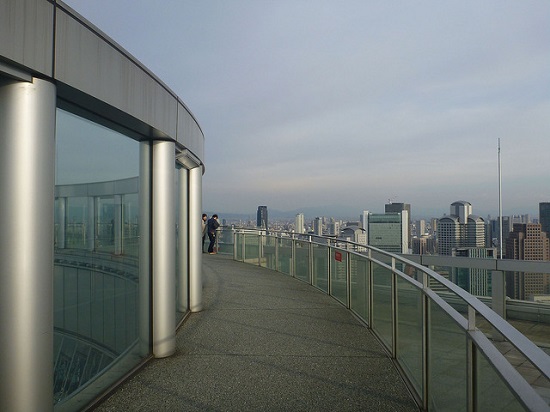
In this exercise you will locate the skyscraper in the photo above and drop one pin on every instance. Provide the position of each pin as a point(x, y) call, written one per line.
point(299, 223)
point(261, 217)
point(544, 216)
point(389, 231)
point(397, 208)
point(460, 229)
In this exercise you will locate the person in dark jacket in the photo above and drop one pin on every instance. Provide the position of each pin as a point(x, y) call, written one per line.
point(212, 226)
point(203, 227)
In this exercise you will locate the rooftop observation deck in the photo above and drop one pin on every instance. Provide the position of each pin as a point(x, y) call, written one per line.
point(266, 341)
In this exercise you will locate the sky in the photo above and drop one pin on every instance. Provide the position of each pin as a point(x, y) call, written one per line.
point(354, 103)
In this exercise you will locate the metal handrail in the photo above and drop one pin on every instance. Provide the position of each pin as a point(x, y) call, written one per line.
point(523, 391)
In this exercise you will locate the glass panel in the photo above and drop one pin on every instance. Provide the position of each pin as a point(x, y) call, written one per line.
point(382, 321)
point(359, 268)
point(447, 362)
point(338, 276)
point(302, 261)
point(269, 256)
point(225, 240)
point(239, 246)
point(96, 278)
point(252, 247)
point(409, 331)
point(285, 256)
point(492, 394)
point(320, 267)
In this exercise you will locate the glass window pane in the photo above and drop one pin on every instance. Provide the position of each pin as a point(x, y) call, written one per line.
point(409, 331)
point(96, 277)
point(447, 360)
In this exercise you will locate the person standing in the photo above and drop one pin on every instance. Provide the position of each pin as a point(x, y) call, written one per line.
point(212, 226)
point(204, 225)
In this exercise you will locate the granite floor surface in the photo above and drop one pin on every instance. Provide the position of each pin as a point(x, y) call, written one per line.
point(266, 342)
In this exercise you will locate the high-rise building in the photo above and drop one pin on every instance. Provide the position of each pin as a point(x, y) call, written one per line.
point(389, 231)
point(460, 229)
point(299, 223)
point(528, 242)
point(392, 207)
point(365, 224)
point(318, 226)
point(261, 217)
point(544, 216)
point(333, 227)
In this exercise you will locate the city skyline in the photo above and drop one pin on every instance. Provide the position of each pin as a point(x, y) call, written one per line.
point(310, 104)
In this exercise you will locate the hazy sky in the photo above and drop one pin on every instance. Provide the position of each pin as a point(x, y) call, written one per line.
point(307, 103)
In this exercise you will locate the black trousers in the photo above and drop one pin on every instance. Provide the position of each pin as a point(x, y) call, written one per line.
point(212, 237)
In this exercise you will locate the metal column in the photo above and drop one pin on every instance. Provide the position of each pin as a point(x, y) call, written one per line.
point(164, 249)
point(195, 239)
point(27, 158)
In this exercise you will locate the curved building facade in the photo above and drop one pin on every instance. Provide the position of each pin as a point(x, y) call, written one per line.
point(101, 179)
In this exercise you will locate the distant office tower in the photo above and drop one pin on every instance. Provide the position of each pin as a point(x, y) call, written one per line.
point(365, 223)
point(333, 227)
point(420, 245)
point(300, 223)
point(318, 226)
point(397, 208)
point(528, 242)
point(389, 231)
point(460, 229)
point(354, 234)
point(544, 217)
point(433, 224)
point(261, 217)
point(421, 228)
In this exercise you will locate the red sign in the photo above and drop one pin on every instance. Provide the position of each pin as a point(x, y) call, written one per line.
point(338, 256)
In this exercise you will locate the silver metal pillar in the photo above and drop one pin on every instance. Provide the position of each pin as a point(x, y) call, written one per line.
point(183, 241)
point(164, 249)
point(27, 157)
point(195, 239)
point(144, 248)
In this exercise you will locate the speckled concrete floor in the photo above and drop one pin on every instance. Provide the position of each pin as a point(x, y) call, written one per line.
point(266, 342)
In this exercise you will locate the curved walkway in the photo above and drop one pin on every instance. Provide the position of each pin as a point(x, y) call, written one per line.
point(266, 342)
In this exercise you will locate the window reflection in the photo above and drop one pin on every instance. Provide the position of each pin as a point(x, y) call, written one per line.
point(96, 292)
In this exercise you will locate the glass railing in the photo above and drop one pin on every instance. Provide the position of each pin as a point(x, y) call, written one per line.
point(450, 346)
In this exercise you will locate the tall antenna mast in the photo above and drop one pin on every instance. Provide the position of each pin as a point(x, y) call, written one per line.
point(500, 198)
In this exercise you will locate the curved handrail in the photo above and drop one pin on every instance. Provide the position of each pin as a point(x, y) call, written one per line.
point(509, 374)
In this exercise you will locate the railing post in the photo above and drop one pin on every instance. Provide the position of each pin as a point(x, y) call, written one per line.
point(260, 246)
point(394, 308)
point(234, 245)
point(277, 266)
point(425, 341)
point(498, 283)
point(348, 279)
point(370, 288)
point(293, 258)
point(310, 263)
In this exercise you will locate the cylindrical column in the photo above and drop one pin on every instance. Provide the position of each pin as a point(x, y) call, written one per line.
point(195, 239)
point(183, 241)
point(164, 249)
point(145, 247)
point(27, 156)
